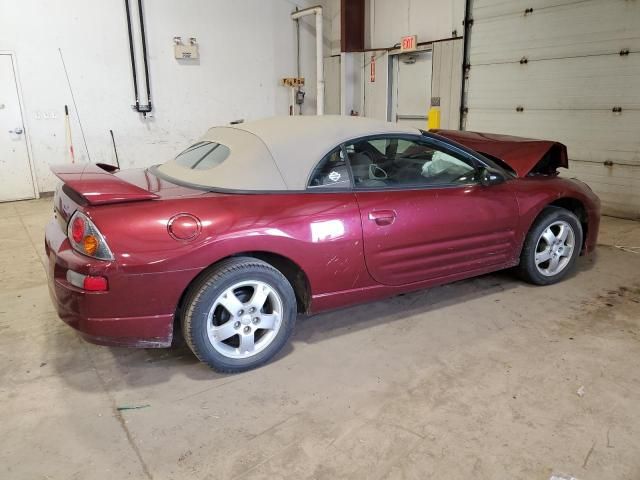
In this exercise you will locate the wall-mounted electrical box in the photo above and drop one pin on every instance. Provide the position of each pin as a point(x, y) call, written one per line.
point(186, 51)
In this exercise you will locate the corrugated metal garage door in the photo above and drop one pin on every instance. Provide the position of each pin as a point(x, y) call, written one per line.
point(446, 80)
point(565, 70)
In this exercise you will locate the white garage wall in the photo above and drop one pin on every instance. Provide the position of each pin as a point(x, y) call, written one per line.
point(245, 47)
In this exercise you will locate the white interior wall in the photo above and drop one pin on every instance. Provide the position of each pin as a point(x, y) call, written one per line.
point(385, 23)
point(389, 20)
point(331, 17)
point(446, 83)
point(332, 94)
point(351, 83)
point(246, 46)
point(376, 93)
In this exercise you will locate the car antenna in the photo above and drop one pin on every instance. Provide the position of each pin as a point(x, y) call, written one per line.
point(75, 106)
point(115, 150)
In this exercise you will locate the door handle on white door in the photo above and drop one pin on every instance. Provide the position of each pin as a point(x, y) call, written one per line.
point(17, 131)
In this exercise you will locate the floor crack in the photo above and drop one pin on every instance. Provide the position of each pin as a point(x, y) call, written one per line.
point(119, 416)
point(586, 459)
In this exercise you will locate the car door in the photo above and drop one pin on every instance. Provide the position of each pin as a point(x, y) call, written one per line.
point(424, 214)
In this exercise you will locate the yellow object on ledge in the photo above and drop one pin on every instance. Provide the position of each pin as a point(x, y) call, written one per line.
point(433, 118)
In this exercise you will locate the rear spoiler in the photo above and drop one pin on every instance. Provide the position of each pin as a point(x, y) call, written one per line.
point(98, 186)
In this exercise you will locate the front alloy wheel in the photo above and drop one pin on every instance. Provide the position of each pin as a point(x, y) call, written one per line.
point(551, 247)
point(555, 248)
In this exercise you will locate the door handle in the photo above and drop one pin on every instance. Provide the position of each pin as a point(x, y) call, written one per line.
point(16, 130)
point(382, 217)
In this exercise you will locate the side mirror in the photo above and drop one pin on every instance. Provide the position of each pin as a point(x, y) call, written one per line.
point(488, 177)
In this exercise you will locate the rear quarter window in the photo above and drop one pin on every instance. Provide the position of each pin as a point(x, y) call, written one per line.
point(203, 155)
point(331, 172)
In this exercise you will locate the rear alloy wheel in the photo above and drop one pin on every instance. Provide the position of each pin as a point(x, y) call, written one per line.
point(240, 315)
point(551, 247)
point(244, 319)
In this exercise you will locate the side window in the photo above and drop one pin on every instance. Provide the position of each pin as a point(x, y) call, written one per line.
point(331, 172)
point(392, 162)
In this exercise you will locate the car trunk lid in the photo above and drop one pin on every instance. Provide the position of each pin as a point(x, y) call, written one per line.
point(525, 156)
point(101, 184)
point(89, 185)
point(97, 185)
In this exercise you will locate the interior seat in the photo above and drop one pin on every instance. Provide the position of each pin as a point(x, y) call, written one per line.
point(361, 164)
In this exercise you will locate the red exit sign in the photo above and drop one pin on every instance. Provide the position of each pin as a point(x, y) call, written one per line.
point(409, 43)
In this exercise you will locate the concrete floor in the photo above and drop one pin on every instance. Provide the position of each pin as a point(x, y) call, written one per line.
point(478, 379)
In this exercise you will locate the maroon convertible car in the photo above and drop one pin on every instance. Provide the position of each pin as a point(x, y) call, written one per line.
point(257, 222)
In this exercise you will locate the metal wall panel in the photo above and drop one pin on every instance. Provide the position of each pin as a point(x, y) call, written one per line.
point(619, 185)
point(483, 9)
point(590, 135)
point(446, 81)
point(332, 85)
point(592, 27)
point(376, 95)
point(592, 138)
point(560, 66)
point(599, 83)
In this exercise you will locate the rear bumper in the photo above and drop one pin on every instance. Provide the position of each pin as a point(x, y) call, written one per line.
point(137, 311)
point(144, 332)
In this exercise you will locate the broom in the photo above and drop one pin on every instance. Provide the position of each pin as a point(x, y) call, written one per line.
point(67, 127)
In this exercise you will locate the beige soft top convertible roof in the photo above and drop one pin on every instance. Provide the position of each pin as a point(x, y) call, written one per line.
point(277, 153)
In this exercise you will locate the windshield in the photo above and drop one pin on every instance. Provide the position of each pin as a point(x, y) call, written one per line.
point(489, 160)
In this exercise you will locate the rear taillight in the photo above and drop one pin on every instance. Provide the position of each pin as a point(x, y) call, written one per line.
point(85, 238)
point(77, 229)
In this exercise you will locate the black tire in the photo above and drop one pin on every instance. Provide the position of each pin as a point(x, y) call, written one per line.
point(210, 287)
point(528, 269)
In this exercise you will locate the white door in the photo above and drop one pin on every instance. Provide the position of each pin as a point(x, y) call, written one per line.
point(569, 71)
point(16, 182)
point(412, 79)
